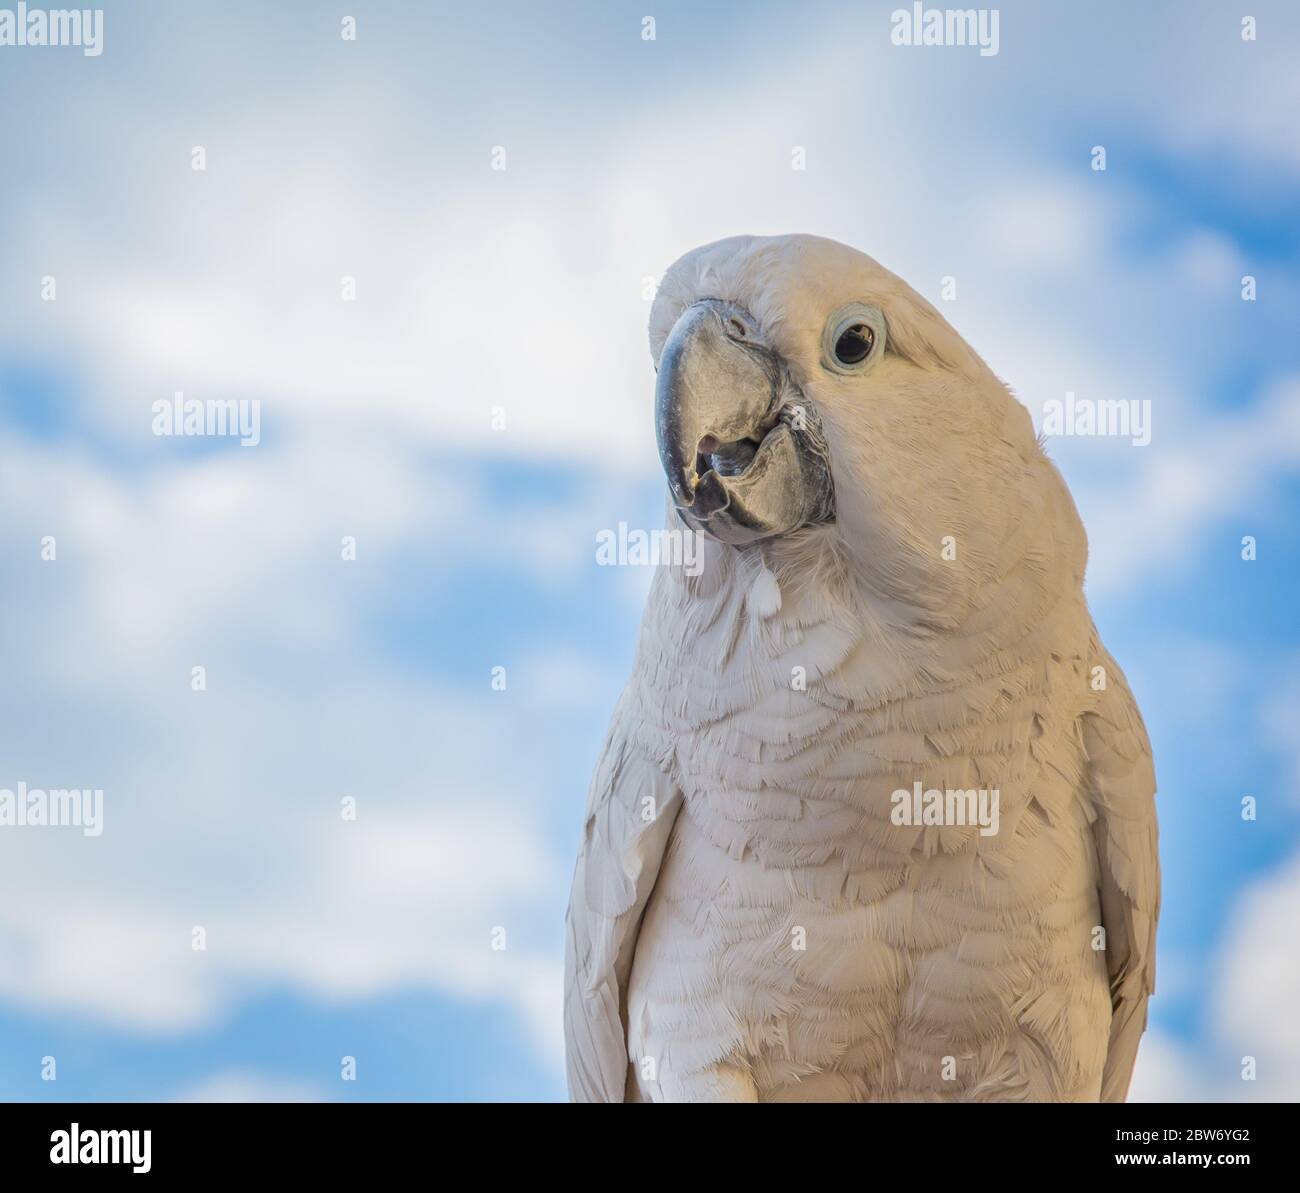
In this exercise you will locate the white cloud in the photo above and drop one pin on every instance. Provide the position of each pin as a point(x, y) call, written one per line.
point(522, 288)
point(1165, 1072)
point(1255, 1000)
point(1225, 471)
point(223, 807)
point(1254, 988)
point(241, 1085)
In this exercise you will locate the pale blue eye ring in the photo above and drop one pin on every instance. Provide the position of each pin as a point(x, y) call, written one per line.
point(854, 338)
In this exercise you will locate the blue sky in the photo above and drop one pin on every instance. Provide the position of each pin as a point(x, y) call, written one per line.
point(525, 289)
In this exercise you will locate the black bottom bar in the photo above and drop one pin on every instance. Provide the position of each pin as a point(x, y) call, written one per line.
point(1124, 1143)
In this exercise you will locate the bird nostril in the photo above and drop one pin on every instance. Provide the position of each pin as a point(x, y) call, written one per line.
point(737, 329)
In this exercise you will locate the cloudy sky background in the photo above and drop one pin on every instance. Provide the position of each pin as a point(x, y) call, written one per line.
point(527, 289)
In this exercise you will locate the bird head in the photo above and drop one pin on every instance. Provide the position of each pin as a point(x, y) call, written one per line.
point(803, 389)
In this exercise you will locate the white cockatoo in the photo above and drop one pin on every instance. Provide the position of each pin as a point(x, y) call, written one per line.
point(875, 818)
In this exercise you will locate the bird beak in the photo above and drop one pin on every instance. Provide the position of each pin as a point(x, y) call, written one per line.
point(742, 451)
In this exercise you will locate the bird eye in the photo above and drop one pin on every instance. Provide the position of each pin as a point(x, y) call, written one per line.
point(854, 338)
point(854, 344)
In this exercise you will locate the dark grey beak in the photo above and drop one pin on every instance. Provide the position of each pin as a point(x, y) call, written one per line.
point(743, 453)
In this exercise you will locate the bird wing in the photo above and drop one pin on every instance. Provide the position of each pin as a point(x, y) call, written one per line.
point(1123, 784)
point(631, 809)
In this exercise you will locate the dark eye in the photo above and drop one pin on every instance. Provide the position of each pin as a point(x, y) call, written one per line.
point(854, 339)
point(855, 344)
